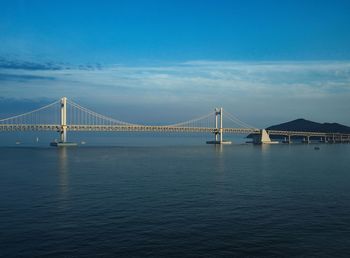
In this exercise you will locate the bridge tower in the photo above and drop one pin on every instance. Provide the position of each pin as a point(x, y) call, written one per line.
point(63, 129)
point(218, 130)
point(63, 126)
point(216, 133)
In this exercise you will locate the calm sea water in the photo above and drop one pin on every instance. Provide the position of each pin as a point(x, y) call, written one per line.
point(180, 201)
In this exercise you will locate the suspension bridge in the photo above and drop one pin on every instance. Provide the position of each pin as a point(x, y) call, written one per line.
point(65, 115)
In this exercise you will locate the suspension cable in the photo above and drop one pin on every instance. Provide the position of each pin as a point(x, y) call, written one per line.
point(193, 120)
point(238, 121)
point(94, 114)
point(30, 112)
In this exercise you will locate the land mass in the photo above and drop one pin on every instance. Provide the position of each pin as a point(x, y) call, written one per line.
point(310, 126)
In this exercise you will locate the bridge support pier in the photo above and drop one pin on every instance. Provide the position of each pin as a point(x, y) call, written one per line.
point(306, 140)
point(263, 138)
point(289, 141)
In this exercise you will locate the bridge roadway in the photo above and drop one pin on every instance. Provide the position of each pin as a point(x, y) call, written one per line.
point(123, 128)
point(307, 134)
point(152, 128)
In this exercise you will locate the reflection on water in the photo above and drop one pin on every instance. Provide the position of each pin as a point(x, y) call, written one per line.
point(63, 172)
point(219, 148)
point(219, 151)
point(265, 148)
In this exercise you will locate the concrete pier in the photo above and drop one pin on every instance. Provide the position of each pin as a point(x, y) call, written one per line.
point(263, 138)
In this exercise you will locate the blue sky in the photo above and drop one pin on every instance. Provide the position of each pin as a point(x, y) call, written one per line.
point(265, 61)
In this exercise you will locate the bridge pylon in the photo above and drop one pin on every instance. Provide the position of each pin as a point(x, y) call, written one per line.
point(218, 132)
point(63, 129)
point(63, 126)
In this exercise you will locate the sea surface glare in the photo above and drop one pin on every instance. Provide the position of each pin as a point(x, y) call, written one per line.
point(181, 201)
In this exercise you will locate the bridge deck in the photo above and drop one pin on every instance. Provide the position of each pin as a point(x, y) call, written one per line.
point(122, 128)
point(150, 128)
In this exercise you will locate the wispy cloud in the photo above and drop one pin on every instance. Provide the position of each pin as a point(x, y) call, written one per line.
point(238, 85)
point(27, 65)
point(23, 78)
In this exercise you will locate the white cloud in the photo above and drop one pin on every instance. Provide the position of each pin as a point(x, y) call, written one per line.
point(246, 86)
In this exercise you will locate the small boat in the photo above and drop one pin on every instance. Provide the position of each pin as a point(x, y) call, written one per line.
point(63, 144)
point(219, 142)
point(316, 148)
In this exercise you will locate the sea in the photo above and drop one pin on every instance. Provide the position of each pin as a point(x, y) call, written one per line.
point(175, 200)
